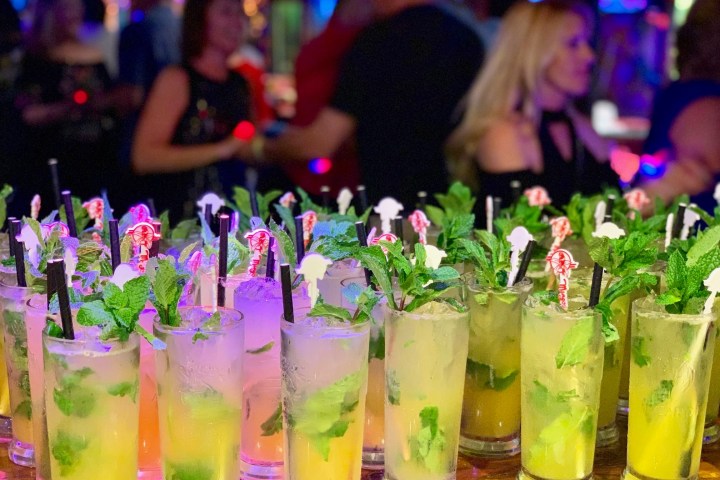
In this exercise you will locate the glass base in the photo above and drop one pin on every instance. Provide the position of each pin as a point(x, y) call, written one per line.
point(373, 459)
point(22, 454)
point(712, 433)
point(623, 406)
point(150, 474)
point(523, 474)
point(490, 447)
point(450, 476)
point(629, 474)
point(5, 429)
point(249, 470)
point(607, 435)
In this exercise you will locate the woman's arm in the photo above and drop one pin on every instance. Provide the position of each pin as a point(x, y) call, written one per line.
point(152, 151)
point(695, 158)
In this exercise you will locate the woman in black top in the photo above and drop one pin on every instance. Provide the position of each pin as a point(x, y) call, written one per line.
point(185, 134)
point(519, 123)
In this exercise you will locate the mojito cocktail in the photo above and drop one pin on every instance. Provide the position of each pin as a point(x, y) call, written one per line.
point(324, 382)
point(14, 306)
point(669, 381)
point(92, 404)
point(149, 459)
point(712, 429)
point(331, 285)
point(561, 369)
point(199, 382)
point(491, 404)
point(425, 356)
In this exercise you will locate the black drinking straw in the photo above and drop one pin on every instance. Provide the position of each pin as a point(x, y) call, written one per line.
point(151, 207)
point(208, 215)
point(595, 285)
point(398, 227)
point(362, 238)
point(223, 259)
point(287, 293)
point(20, 263)
point(525, 262)
point(516, 190)
point(53, 164)
point(678, 223)
point(270, 264)
point(114, 243)
point(69, 213)
point(299, 239)
point(362, 198)
point(12, 233)
point(63, 298)
point(155, 247)
point(497, 206)
point(325, 192)
point(254, 203)
point(610, 205)
point(422, 200)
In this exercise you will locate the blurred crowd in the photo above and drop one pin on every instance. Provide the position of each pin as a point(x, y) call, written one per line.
point(399, 95)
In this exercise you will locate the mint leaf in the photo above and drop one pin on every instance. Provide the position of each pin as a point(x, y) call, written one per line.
point(284, 242)
point(125, 389)
point(575, 344)
point(392, 387)
point(136, 292)
point(167, 289)
point(377, 345)
point(676, 272)
point(94, 313)
point(640, 355)
point(187, 251)
point(73, 399)
point(67, 450)
point(113, 296)
point(24, 409)
point(706, 241)
point(661, 394)
point(190, 471)
point(199, 336)
point(430, 442)
point(265, 348)
point(273, 424)
point(322, 309)
point(184, 229)
point(485, 376)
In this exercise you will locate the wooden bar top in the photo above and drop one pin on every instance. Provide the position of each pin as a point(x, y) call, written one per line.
point(609, 464)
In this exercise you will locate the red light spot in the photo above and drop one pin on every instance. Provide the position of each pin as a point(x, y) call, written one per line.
point(320, 166)
point(80, 97)
point(244, 131)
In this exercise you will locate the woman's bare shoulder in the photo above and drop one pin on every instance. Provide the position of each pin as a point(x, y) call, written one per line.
point(508, 144)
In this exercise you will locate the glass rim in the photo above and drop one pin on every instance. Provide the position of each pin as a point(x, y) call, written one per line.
point(424, 316)
point(657, 312)
point(133, 338)
point(233, 323)
point(581, 311)
point(332, 327)
point(473, 284)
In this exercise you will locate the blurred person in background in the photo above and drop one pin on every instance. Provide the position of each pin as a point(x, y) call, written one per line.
point(64, 105)
point(185, 134)
point(685, 122)
point(397, 91)
point(519, 122)
point(316, 75)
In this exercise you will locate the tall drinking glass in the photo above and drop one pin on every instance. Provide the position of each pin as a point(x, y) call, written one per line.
point(491, 404)
point(425, 356)
point(199, 381)
point(561, 369)
point(14, 306)
point(669, 381)
point(324, 382)
point(712, 429)
point(330, 286)
point(149, 457)
point(91, 399)
point(374, 434)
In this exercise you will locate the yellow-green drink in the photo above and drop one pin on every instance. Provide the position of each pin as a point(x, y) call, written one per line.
point(561, 369)
point(671, 358)
point(491, 403)
point(92, 404)
point(324, 383)
point(199, 379)
point(425, 358)
point(712, 429)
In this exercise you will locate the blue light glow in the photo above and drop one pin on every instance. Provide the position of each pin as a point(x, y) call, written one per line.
point(622, 6)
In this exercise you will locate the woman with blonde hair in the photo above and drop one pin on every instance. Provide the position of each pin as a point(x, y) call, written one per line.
point(519, 124)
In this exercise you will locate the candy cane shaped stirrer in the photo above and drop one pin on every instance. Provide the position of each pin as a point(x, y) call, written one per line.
point(386, 237)
point(309, 219)
point(95, 208)
point(142, 235)
point(636, 199)
point(562, 264)
point(537, 197)
point(420, 224)
point(259, 243)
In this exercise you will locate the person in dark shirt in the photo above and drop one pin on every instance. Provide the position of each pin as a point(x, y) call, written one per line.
point(686, 114)
point(398, 91)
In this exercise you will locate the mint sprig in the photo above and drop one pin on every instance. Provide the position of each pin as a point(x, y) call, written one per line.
point(455, 219)
point(491, 257)
point(686, 292)
point(167, 287)
point(418, 284)
point(521, 214)
point(241, 198)
point(5, 192)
